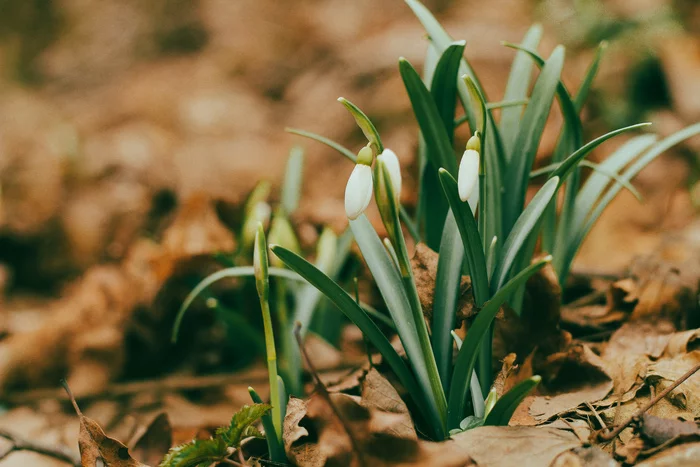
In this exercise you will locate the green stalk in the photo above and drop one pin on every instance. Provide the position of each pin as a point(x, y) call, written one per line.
point(388, 207)
point(292, 372)
point(262, 284)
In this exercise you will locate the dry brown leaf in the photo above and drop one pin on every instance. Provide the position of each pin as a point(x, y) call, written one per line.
point(580, 377)
point(658, 431)
point(96, 446)
point(591, 456)
point(424, 264)
point(685, 455)
point(664, 372)
point(515, 445)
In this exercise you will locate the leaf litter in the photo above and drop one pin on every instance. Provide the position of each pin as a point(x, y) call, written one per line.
point(103, 198)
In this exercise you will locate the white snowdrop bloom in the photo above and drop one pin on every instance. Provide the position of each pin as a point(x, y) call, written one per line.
point(358, 191)
point(468, 177)
point(388, 157)
point(473, 198)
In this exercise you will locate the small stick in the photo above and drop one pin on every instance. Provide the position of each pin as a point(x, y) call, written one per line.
point(19, 444)
point(613, 434)
point(321, 388)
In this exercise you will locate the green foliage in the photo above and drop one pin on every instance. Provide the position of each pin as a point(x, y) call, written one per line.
point(208, 451)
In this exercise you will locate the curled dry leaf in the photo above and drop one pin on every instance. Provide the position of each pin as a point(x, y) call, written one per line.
point(96, 448)
point(685, 455)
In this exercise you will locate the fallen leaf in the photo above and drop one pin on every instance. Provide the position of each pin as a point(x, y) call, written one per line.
point(580, 376)
point(584, 457)
point(515, 445)
point(685, 455)
point(659, 431)
point(96, 446)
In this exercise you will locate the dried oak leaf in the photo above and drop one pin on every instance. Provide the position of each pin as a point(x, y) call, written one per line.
point(96, 446)
point(424, 264)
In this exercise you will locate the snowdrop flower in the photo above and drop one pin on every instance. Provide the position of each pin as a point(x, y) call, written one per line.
point(388, 157)
point(358, 191)
point(468, 177)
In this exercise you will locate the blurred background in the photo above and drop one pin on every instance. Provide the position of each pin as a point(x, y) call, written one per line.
point(132, 133)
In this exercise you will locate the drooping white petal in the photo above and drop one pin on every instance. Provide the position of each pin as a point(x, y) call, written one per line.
point(468, 176)
point(392, 164)
point(473, 198)
point(358, 191)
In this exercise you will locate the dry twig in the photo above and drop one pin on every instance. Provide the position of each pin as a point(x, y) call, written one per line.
point(19, 444)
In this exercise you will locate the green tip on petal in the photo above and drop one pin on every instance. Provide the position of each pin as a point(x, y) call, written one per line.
point(474, 143)
point(366, 155)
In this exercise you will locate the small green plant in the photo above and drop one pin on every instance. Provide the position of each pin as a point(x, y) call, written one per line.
point(219, 447)
point(474, 214)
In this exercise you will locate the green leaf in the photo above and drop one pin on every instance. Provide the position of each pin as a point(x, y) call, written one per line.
point(466, 358)
point(241, 421)
point(656, 150)
point(293, 175)
point(521, 230)
point(529, 135)
point(393, 291)
point(588, 78)
point(517, 89)
point(504, 408)
point(205, 451)
point(238, 271)
point(476, 261)
point(441, 40)
point(364, 123)
point(323, 140)
point(429, 120)
point(341, 299)
point(447, 283)
point(595, 185)
point(570, 163)
point(443, 89)
point(443, 86)
point(274, 447)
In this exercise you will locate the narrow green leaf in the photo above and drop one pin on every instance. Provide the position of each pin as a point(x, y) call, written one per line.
point(239, 271)
point(590, 75)
point(529, 135)
point(429, 120)
point(595, 184)
point(392, 289)
point(521, 230)
point(655, 151)
point(517, 89)
point(291, 186)
point(441, 40)
point(471, 239)
point(504, 408)
point(612, 176)
point(274, 447)
point(364, 123)
point(447, 282)
point(466, 358)
point(443, 86)
point(478, 402)
point(341, 299)
point(572, 161)
point(323, 140)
